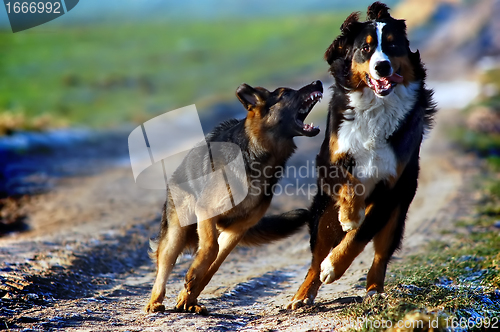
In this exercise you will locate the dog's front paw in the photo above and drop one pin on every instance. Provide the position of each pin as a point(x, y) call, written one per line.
point(154, 307)
point(194, 308)
point(350, 218)
point(327, 275)
point(186, 304)
point(296, 304)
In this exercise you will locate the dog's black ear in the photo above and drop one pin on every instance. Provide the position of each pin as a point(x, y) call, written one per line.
point(341, 45)
point(336, 50)
point(248, 96)
point(377, 11)
point(401, 26)
point(350, 23)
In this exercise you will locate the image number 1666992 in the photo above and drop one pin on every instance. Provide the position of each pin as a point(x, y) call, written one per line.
point(28, 14)
point(33, 7)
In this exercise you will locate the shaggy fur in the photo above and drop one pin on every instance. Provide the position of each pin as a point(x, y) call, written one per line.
point(378, 114)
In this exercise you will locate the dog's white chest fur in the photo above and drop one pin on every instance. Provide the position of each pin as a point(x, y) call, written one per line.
point(367, 128)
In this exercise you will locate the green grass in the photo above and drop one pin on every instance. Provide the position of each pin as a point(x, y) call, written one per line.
point(452, 281)
point(101, 75)
point(494, 162)
point(486, 144)
point(482, 143)
point(492, 77)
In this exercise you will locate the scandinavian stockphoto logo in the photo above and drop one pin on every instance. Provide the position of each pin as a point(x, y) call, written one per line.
point(204, 180)
point(28, 14)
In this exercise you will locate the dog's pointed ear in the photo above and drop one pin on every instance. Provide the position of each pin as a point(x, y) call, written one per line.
point(341, 45)
point(377, 11)
point(248, 96)
point(336, 50)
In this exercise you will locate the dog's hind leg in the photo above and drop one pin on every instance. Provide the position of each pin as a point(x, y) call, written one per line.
point(341, 257)
point(169, 248)
point(379, 214)
point(227, 241)
point(208, 249)
point(328, 234)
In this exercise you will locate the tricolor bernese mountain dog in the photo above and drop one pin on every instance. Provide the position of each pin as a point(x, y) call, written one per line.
point(368, 164)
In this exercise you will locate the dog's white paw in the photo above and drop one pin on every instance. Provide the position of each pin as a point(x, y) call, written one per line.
point(350, 225)
point(327, 275)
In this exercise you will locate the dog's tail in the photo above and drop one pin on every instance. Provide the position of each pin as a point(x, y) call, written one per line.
point(273, 228)
point(155, 242)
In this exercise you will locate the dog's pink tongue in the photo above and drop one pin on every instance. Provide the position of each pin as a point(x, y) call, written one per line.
point(396, 78)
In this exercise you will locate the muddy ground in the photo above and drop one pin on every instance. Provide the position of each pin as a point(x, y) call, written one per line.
point(83, 263)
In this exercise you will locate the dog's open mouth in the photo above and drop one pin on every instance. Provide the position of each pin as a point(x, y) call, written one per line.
point(385, 85)
point(306, 107)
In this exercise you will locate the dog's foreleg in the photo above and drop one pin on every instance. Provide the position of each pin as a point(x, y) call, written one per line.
point(351, 208)
point(343, 188)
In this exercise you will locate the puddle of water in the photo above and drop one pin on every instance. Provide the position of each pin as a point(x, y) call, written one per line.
point(30, 162)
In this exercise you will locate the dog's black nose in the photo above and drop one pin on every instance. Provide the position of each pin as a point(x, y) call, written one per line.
point(383, 68)
point(317, 85)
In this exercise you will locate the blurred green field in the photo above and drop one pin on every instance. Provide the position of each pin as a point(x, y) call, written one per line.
point(105, 75)
point(484, 141)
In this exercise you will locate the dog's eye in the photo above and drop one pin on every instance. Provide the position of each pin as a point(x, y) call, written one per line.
point(366, 48)
point(284, 93)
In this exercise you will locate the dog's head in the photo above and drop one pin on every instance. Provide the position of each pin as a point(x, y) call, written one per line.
point(280, 113)
point(374, 53)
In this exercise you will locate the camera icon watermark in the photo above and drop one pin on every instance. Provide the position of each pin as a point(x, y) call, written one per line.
point(204, 179)
point(28, 14)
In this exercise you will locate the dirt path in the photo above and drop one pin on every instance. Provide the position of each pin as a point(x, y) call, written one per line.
point(84, 264)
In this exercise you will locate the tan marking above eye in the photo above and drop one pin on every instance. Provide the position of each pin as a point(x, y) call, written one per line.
point(390, 38)
point(281, 93)
point(369, 39)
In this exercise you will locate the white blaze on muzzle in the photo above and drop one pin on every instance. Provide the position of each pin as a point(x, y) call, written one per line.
point(378, 56)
